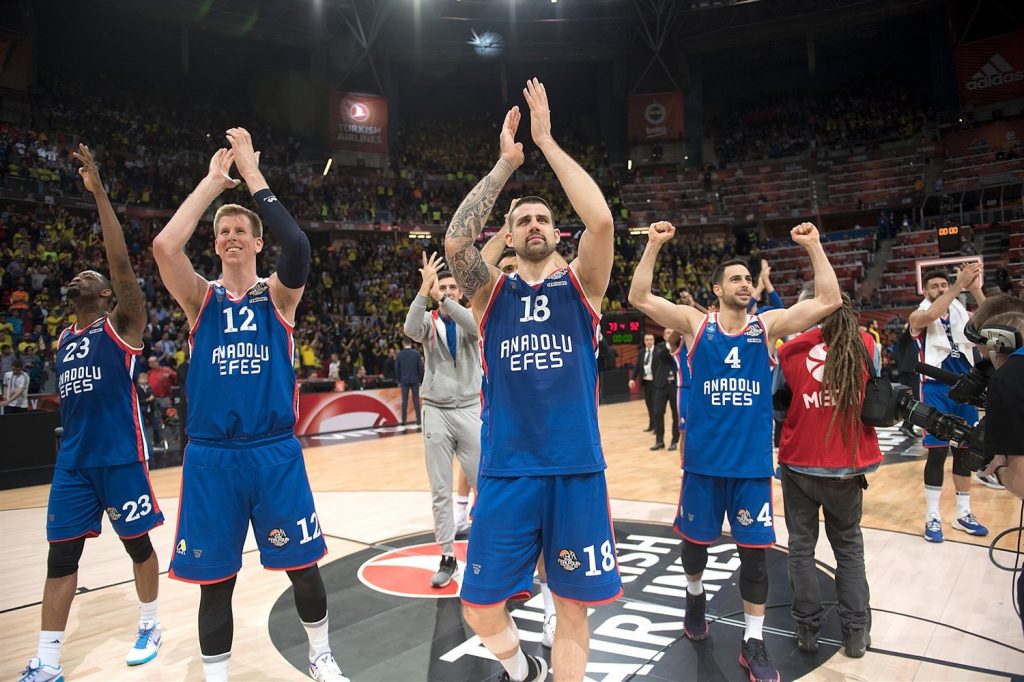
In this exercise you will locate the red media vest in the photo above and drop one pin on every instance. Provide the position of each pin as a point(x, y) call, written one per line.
point(803, 432)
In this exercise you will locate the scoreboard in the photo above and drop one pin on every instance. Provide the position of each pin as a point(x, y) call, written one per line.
point(623, 328)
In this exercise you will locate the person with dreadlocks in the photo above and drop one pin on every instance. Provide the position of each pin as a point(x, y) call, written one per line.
point(825, 454)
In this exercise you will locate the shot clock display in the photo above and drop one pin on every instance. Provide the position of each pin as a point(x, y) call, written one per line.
point(950, 239)
point(623, 328)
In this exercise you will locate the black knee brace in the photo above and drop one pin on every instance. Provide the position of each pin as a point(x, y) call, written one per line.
point(63, 557)
point(216, 620)
point(310, 594)
point(695, 557)
point(933, 468)
point(958, 464)
point(139, 549)
point(754, 574)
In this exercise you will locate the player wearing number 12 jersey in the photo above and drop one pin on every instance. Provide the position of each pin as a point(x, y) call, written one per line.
point(541, 484)
point(728, 460)
point(243, 463)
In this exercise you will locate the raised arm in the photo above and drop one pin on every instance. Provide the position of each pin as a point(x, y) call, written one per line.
point(683, 318)
point(827, 295)
point(417, 324)
point(129, 315)
point(475, 277)
point(289, 279)
point(965, 278)
point(493, 248)
point(596, 250)
point(176, 270)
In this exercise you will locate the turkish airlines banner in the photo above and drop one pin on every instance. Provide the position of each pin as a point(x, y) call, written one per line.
point(359, 122)
point(656, 117)
point(991, 137)
point(991, 70)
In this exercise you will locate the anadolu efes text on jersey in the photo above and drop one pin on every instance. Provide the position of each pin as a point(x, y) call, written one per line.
point(99, 405)
point(241, 380)
point(729, 418)
point(540, 388)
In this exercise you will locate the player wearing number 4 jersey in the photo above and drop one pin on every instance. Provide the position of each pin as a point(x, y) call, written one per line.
point(101, 466)
point(728, 460)
point(541, 483)
point(243, 464)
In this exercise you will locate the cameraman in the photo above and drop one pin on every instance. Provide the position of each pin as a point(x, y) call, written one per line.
point(937, 326)
point(1004, 433)
point(824, 454)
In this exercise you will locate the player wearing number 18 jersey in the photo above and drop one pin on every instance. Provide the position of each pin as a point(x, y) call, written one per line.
point(243, 463)
point(541, 484)
point(728, 459)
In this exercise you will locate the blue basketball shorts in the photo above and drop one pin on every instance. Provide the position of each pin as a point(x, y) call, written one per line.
point(79, 497)
point(747, 502)
point(936, 394)
point(224, 489)
point(564, 517)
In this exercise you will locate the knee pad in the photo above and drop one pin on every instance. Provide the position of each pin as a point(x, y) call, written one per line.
point(139, 549)
point(695, 557)
point(216, 620)
point(754, 574)
point(63, 557)
point(310, 594)
point(933, 467)
point(958, 464)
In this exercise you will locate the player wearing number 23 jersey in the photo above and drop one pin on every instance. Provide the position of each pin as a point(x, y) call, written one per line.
point(242, 459)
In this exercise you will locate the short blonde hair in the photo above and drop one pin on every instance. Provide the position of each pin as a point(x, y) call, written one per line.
point(234, 209)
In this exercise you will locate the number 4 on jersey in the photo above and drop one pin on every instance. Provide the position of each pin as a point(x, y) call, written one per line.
point(733, 358)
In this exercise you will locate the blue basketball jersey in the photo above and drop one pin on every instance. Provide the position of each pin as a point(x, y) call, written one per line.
point(955, 362)
point(729, 417)
point(241, 380)
point(539, 383)
point(99, 406)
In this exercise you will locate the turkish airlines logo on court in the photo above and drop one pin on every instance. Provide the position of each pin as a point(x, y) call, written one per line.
point(406, 571)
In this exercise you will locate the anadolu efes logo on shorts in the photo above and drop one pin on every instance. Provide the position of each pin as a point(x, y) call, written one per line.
point(388, 623)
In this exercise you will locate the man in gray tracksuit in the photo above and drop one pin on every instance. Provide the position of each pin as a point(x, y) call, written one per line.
point(450, 395)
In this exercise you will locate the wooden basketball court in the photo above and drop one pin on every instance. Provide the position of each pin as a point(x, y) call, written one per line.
point(941, 612)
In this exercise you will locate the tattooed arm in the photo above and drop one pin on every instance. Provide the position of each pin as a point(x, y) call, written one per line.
point(475, 277)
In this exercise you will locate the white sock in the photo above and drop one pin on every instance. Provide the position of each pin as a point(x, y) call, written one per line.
point(215, 668)
point(754, 626)
point(516, 667)
point(695, 587)
point(963, 504)
point(931, 499)
point(319, 638)
point(549, 601)
point(50, 642)
point(148, 614)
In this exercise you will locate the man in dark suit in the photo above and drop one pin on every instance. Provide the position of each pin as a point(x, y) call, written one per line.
point(665, 373)
point(409, 374)
point(643, 372)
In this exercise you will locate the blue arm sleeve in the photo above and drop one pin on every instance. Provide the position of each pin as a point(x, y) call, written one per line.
point(293, 265)
point(774, 300)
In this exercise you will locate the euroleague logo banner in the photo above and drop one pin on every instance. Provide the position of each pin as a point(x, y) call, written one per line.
point(330, 412)
point(359, 122)
point(991, 70)
point(387, 593)
point(656, 117)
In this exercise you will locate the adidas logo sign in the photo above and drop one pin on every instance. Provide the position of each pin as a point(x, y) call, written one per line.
point(995, 73)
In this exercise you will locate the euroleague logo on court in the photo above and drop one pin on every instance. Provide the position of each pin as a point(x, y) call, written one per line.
point(639, 636)
point(816, 361)
point(406, 571)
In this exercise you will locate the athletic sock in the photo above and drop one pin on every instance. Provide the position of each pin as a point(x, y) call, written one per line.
point(753, 627)
point(50, 642)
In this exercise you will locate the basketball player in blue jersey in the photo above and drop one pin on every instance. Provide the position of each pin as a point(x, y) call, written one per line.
point(542, 487)
point(101, 465)
point(728, 461)
point(242, 462)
